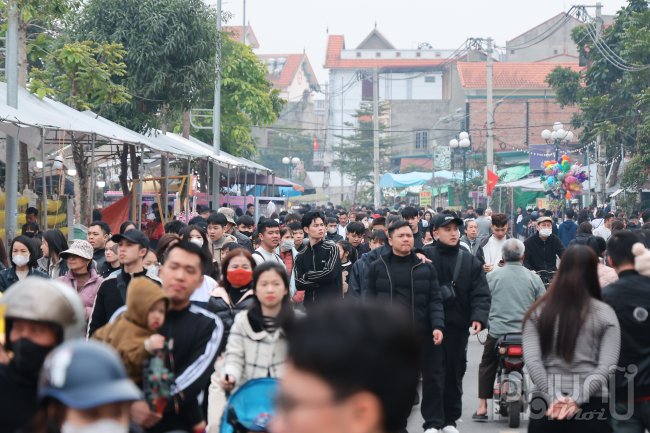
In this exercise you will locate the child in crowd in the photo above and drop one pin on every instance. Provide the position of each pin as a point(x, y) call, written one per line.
point(134, 333)
point(348, 257)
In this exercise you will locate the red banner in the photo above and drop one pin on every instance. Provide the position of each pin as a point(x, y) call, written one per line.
point(492, 180)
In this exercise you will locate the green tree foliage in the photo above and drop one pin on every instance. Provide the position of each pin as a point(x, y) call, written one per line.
point(248, 99)
point(288, 143)
point(355, 153)
point(610, 100)
point(81, 75)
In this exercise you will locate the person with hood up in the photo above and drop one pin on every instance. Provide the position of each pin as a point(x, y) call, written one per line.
point(134, 333)
point(567, 230)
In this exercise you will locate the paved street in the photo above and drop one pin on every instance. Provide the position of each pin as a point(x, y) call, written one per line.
point(470, 401)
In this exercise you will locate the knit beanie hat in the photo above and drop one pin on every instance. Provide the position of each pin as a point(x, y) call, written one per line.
point(641, 259)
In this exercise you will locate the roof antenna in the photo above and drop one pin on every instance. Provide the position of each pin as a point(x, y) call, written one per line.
point(327, 29)
point(375, 23)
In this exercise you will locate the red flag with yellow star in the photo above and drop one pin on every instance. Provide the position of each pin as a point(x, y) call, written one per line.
point(492, 180)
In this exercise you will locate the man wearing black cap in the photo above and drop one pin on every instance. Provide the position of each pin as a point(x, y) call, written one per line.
point(111, 296)
point(469, 308)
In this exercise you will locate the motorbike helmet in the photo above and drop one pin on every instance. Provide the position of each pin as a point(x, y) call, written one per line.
point(46, 301)
point(251, 407)
point(83, 375)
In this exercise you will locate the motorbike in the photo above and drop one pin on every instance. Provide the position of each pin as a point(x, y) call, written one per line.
point(547, 276)
point(510, 394)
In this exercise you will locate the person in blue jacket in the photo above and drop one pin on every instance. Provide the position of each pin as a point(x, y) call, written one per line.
point(567, 231)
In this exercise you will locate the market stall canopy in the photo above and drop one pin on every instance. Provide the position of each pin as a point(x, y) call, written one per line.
point(318, 197)
point(392, 180)
point(514, 173)
point(227, 158)
point(528, 184)
point(33, 113)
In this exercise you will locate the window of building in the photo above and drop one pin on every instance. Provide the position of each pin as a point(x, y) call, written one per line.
point(429, 79)
point(512, 51)
point(421, 139)
point(378, 54)
point(358, 54)
point(270, 138)
point(366, 89)
point(398, 54)
point(554, 51)
point(438, 54)
point(418, 54)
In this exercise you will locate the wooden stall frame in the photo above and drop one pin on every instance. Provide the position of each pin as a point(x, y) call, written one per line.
point(154, 180)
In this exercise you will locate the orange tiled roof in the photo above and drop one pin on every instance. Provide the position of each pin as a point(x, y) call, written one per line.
point(235, 34)
point(289, 70)
point(333, 59)
point(509, 75)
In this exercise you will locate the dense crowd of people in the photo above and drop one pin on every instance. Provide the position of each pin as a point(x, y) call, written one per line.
point(335, 303)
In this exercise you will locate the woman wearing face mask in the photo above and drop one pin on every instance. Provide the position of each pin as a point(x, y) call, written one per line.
point(23, 263)
point(288, 253)
point(112, 262)
point(81, 276)
point(54, 243)
point(84, 389)
point(348, 256)
point(257, 345)
point(198, 236)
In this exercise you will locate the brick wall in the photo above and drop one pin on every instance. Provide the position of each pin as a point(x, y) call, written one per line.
point(518, 122)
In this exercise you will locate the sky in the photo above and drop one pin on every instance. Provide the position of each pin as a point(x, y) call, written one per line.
point(291, 26)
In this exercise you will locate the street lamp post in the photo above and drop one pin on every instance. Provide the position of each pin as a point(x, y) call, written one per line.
point(557, 137)
point(289, 162)
point(462, 144)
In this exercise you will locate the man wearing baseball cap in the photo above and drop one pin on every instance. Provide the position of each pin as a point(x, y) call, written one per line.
point(242, 240)
point(111, 296)
point(468, 306)
point(543, 247)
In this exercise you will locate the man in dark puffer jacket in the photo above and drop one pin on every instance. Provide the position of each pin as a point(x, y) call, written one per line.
point(471, 308)
point(388, 280)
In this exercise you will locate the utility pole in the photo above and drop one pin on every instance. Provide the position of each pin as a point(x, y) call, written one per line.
point(375, 98)
point(326, 167)
point(601, 168)
point(490, 114)
point(11, 168)
point(216, 117)
point(243, 27)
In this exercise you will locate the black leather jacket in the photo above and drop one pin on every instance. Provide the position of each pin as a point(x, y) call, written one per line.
point(8, 277)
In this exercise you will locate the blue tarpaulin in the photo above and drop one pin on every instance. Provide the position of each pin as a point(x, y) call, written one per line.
point(392, 180)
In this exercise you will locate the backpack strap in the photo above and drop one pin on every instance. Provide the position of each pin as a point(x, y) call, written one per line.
point(459, 261)
point(121, 286)
point(259, 254)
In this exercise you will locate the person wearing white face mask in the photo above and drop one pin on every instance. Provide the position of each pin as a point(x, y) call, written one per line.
point(84, 389)
point(543, 247)
point(22, 261)
point(201, 295)
point(332, 230)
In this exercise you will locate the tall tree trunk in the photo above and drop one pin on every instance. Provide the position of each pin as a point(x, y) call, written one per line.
point(124, 168)
point(81, 164)
point(23, 64)
point(135, 172)
point(203, 176)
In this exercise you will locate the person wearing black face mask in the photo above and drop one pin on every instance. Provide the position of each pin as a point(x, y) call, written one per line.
point(40, 314)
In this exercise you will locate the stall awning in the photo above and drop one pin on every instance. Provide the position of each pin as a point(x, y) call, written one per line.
point(392, 180)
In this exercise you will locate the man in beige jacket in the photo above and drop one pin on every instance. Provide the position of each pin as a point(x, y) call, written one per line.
point(217, 224)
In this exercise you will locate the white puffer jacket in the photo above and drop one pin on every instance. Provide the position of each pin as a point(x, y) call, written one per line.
point(252, 355)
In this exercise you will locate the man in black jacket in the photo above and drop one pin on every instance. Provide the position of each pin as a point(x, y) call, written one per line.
point(420, 295)
point(354, 235)
point(543, 247)
point(196, 335)
point(470, 309)
point(411, 216)
point(242, 240)
point(317, 268)
point(111, 295)
point(98, 234)
point(629, 299)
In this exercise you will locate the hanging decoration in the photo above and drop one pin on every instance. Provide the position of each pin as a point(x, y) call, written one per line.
point(561, 179)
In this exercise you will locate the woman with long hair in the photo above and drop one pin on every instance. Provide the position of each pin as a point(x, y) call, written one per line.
point(257, 346)
point(571, 339)
point(164, 243)
point(23, 263)
point(112, 263)
point(197, 235)
point(127, 225)
point(54, 243)
point(585, 236)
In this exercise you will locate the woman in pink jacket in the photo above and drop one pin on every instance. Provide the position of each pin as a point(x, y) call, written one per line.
point(81, 276)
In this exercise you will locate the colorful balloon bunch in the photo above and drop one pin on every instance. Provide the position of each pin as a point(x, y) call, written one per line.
point(561, 179)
